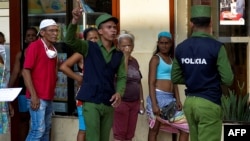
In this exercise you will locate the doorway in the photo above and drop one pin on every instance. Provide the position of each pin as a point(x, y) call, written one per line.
point(231, 27)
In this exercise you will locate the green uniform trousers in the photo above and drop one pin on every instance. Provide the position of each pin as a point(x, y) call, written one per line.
point(98, 120)
point(204, 119)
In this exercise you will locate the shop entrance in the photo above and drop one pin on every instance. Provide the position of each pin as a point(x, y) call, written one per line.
point(231, 26)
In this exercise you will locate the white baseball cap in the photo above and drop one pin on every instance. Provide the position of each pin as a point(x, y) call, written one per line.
point(45, 23)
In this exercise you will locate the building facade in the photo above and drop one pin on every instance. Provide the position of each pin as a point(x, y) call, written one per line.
point(145, 19)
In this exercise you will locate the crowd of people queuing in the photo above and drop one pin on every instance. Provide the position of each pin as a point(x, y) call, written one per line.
point(110, 94)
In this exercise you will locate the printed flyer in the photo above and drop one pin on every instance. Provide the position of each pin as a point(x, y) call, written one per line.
point(232, 12)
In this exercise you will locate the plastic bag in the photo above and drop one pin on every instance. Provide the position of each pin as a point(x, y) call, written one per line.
point(168, 111)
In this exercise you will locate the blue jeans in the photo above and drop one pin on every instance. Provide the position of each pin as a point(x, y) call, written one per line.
point(40, 121)
point(22, 103)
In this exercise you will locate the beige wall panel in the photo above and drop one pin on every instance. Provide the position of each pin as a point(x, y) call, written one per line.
point(144, 18)
point(4, 27)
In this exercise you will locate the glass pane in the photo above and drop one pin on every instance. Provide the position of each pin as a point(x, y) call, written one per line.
point(40, 9)
point(234, 19)
point(53, 9)
point(237, 56)
point(100, 5)
point(92, 10)
point(35, 11)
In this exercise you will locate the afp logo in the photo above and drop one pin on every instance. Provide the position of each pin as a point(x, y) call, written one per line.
point(236, 132)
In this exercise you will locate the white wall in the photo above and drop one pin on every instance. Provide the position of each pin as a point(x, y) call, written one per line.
point(145, 19)
point(181, 30)
point(4, 20)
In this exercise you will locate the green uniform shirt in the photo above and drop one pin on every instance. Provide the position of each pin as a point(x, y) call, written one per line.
point(81, 47)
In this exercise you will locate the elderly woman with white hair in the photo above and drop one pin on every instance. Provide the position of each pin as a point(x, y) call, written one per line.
point(132, 100)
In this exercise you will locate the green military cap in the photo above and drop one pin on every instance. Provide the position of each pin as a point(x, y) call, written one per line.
point(104, 18)
point(200, 11)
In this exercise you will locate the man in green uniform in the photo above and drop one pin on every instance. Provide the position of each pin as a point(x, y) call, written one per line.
point(201, 63)
point(102, 65)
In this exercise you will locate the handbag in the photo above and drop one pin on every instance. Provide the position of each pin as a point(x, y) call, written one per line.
point(168, 111)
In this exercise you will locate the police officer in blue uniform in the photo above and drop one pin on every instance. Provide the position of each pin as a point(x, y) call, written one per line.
point(201, 63)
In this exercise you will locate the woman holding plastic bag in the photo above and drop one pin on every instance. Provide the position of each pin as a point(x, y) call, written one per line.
point(163, 91)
